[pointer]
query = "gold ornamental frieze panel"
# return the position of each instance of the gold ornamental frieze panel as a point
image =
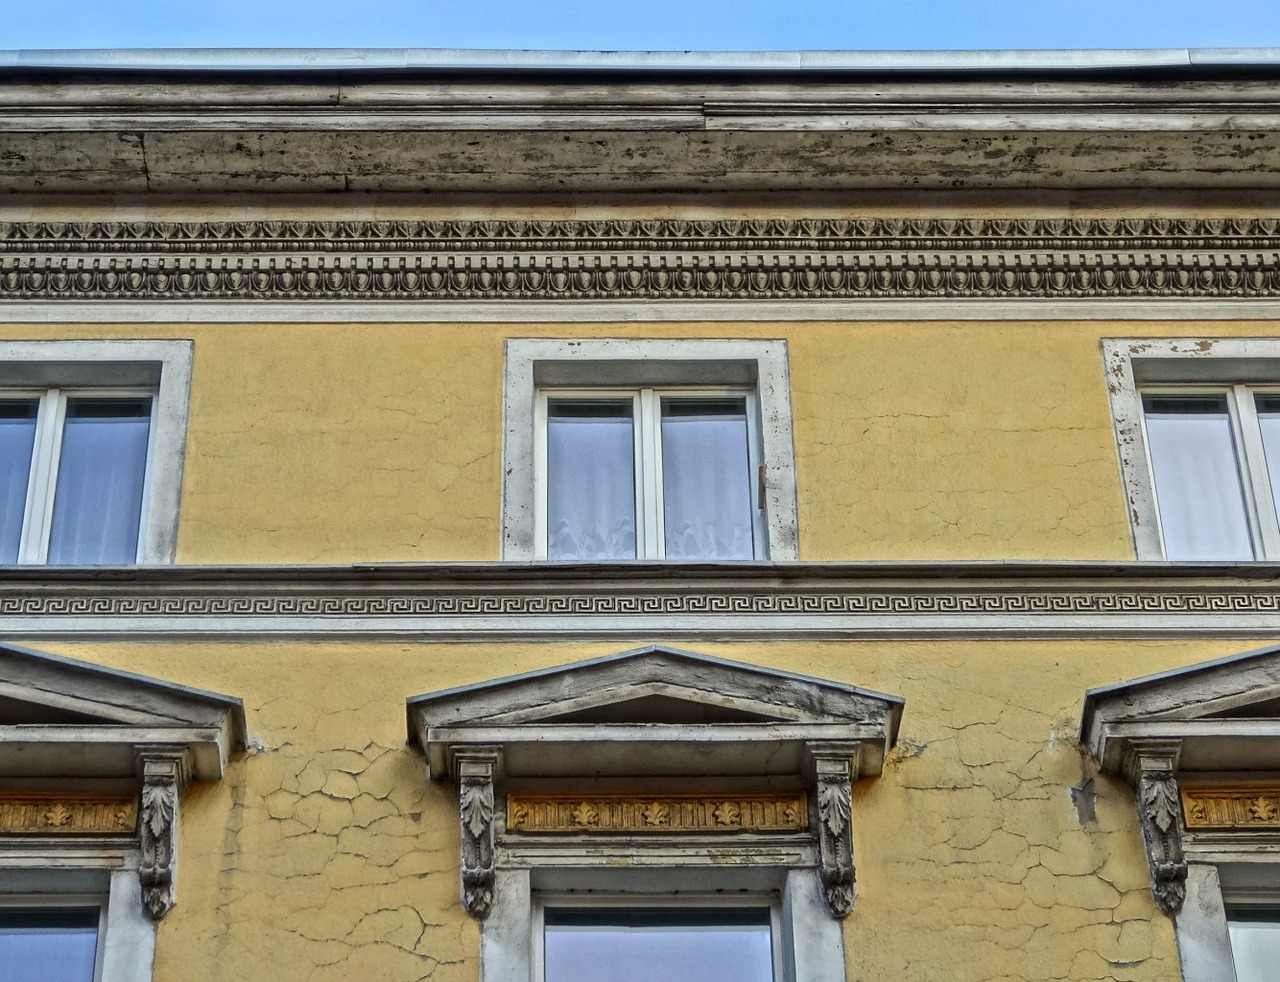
(766, 811)
(43, 813)
(1231, 807)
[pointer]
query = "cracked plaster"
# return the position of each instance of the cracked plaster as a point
(327, 854)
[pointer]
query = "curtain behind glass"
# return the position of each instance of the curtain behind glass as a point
(706, 479)
(1197, 478)
(591, 484)
(48, 944)
(97, 506)
(1269, 421)
(718, 945)
(17, 438)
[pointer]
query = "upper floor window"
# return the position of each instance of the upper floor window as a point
(618, 449)
(1197, 423)
(648, 474)
(49, 943)
(1215, 461)
(92, 435)
(72, 474)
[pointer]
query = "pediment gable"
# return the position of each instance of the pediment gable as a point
(1226, 712)
(655, 700)
(60, 716)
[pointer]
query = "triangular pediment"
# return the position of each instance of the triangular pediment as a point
(60, 716)
(654, 685)
(1225, 712)
(652, 708)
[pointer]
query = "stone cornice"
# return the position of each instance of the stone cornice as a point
(642, 259)
(645, 602)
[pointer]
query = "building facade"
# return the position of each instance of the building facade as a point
(474, 516)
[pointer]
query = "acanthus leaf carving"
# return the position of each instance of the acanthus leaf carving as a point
(833, 774)
(476, 770)
(165, 772)
(1152, 769)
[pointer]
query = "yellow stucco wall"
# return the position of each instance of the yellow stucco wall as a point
(325, 853)
(338, 443)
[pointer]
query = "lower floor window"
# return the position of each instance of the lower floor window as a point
(49, 944)
(639, 944)
(1255, 942)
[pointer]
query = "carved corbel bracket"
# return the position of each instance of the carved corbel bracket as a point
(833, 773)
(477, 767)
(165, 772)
(1151, 767)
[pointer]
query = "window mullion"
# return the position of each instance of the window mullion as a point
(540, 476)
(38, 518)
(649, 474)
(1257, 482)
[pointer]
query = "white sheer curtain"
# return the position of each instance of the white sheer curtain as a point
(1197, 478)
(97, 505)
(17, 438)
(599, 944)
(706, 479)
(48, 944)
(591, 484)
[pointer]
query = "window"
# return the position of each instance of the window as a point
(648, 474)
(40, 942)
(711, 943)
(1255, 942)
(1215, 462)
(621, 449)
(72, 474)
(91, 444)
(656, 809)
(1197, 425)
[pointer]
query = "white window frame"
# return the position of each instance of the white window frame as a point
(159, 369)
(46, 459)
(693, 901)
(534, 365)
(49, 876)
(649, 478)
(1135, 366)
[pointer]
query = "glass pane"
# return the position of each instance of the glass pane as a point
(48, 944)
(1255, 944)
(1197, 478)
(17, 438)
(591, 483)
(641, 945)
(707, 481)
(98, 502)
(1269, 420)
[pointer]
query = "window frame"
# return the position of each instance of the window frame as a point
(68, 901)
(649, 477)
(1134, 366)
(542, 900)
(46, 462)
(758, 366)
(56, 875)
(160, 369)
(1250, 457)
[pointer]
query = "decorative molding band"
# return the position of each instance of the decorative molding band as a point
(643, 259)
(54, 813)
(661, 813)
(614, 601)
(1232, 807)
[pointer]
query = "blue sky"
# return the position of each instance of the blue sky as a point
(641, 24)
